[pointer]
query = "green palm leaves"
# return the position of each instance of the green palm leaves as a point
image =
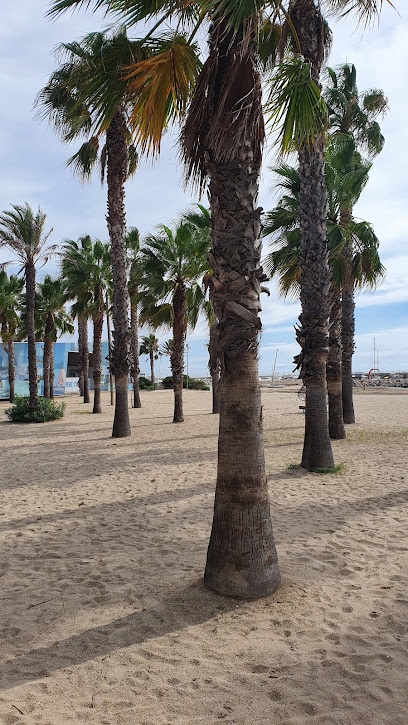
(283, 222)
(23, 232)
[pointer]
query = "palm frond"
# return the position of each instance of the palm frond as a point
(295, 104)
(161, 86)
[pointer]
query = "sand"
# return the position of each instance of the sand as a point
(103, 616)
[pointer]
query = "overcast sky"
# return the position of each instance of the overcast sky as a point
(32, 169)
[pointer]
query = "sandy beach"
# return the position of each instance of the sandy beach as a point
(103, 615)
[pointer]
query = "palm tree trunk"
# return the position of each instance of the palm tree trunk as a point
(112, 392)
(333, 369)
(177, 352)
(313, 334)
(84, 357)
(47, 355)
(116, 175)
(52, 371)
(241, 557)
(97, 360)
(81, 370)
(151, 355)
(134, 345)
(214, 367)
(347, 327)
(11, 368)
(32, 354)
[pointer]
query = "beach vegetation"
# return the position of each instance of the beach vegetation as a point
(339, 468)
(46, 410)
(145, 383)
(188, 383)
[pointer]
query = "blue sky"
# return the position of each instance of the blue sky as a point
(32, 169)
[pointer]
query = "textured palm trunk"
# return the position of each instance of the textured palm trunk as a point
(97, 360)
(47, 354)
(111, 385)
(32, 355)
(177, 352)
(151, 357)
(11, 368)
(134, 346)
(84, 357)
(241, 557)
(214, 367)
(313, 334)
(116, 175)
(347, 325)
(333, 369)
(52, 371)
(81, 371)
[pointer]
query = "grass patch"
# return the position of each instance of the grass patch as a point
(336, 469)
(82, 412)
(293, 466)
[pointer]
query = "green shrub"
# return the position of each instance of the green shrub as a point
(46, 410)
(145, 384)
(192, 384)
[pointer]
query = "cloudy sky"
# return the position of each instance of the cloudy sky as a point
(32, 169)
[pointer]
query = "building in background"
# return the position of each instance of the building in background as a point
(66, 369)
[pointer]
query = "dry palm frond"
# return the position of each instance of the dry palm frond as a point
(160, 86)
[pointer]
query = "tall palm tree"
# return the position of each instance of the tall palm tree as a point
(283, 224)
(89, 67)
(86, 271)
(353, 118)
(52, 320)
(10, 301)
(88, 93)
(133, 247)
(172, 265)
(150, 346)
(222, 140)
(23, 233)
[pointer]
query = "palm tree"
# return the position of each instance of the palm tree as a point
(201, 219)
(86, 271)
(353, 118)
(89, 67)
(10, 293)
(172, 264)
(88, 93)
(132, 244)
(150, 346)
(22, 231)
(283, 260)
(222, 141)
(52, 320)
